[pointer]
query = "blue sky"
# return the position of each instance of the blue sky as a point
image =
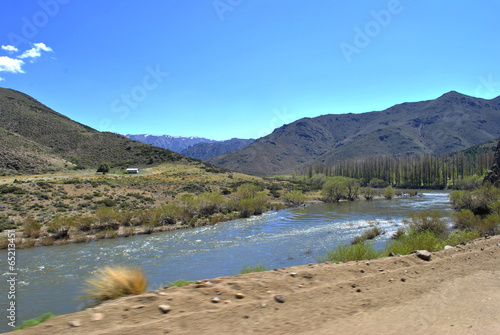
(240, 68)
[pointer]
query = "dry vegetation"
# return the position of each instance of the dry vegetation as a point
(80, 207)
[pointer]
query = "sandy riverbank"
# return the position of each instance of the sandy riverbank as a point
(456, 292)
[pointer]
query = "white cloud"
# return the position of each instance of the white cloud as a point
(35, 52)
(1, 79)
(12, 65)
(9, 48)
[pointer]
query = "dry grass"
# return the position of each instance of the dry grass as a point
(114, 282)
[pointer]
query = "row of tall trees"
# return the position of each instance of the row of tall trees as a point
(416, 171)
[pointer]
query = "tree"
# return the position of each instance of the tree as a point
(104, 168)
(333, 190)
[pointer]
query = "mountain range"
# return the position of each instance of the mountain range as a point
(35, 138)
(194, 147)
(450, 123)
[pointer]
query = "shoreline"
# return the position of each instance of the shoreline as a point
(326, 298)
(124, 231)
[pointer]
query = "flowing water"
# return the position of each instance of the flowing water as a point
(49, 279)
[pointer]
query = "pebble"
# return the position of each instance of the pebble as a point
(75, 323)
(97, 317)
(423, 254)
(138, 306)
(164, 308)
(239, 295)
(403, 279)
(293, 274)
(215, 300)
(446, 247)
(280, 298)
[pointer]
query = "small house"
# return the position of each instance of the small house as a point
(132, 170)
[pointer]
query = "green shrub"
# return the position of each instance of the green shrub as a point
(415, 240)
(31, 228)
(296, 198)
(368, 234)
(334, 190)
(368, 193)
(461, 236)
(389, 192)
(210, 202)
(428, 221)
(353, 252)
(378, 183)
(254, 268)
(465, 219)
(181, 283)
(35, 321)
(59, 226)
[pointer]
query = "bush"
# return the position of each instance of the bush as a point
(35, 321)
(465, 219)
(389, 192)
(461, 236)
(210, 202)
(368, 193)
(295, 198)
(59, 226)
(334, 190)
(254, 268)
(114, 282)
(368, 234)
(353, 252)
(31, 228)
(415, 240)
(106, 218)
(378, 183)
(428, 221)
(181, 283)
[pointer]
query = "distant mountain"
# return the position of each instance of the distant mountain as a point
(205, 151)
(450, 123)
(34, 138)
(174, 143)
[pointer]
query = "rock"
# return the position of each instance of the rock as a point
(75, 323)
(391, 254)
(293, 274)
(97, 317)
(215, 300)
(164, 308)
(280, 298)
(138, 306)
(446, 247)
(239, 295)
(423, 254)
(403, 279)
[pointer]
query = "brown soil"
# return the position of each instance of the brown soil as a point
(456, 292)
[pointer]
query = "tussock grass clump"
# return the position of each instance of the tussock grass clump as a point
(253, 268)
(354, 252)
(34, 322)
(114, 282)
(461, 236)
(368, 234)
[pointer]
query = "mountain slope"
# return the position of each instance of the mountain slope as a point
(174, 143)
(53, 138)
(205, 151)
(449, 123)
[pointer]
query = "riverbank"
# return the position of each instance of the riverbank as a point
(456, 292)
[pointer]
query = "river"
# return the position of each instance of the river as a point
(50, 279)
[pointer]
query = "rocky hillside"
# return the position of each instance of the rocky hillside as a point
(205, 151)
(450, 123)
(35, 138)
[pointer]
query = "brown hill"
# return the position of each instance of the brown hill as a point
(447, 124)
(36, 138)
